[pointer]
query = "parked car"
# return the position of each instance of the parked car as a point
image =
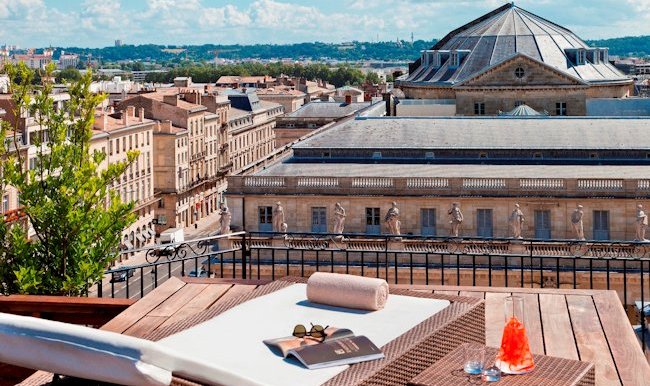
(122, 275)
(201, 273)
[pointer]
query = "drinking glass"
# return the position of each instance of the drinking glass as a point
(474, 358)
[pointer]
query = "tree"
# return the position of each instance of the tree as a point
(372, 77)
(76, 218)
(69, 74)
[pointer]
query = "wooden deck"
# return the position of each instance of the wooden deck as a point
(576, 324)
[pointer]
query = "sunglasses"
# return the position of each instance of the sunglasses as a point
(317, 331)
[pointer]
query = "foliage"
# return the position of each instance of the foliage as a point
(340, 76)
(343, 52)
(69, 74)
(76, 219)
(627, 46)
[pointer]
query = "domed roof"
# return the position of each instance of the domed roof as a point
(507, 32)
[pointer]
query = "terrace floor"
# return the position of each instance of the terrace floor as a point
(588, 325)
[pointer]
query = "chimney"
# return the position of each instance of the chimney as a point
(171, 99)
(130, 110)
(101, 121)
(125, 118)
(141, 114)
(348, 99)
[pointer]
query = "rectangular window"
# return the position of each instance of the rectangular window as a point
(428, 222)
(319, 220)
(455, 62)
(117, 146)
(519, 103)
(265, 218)
(372, 221)
(110, 147)
(479, 108)
(543, 224)
(601, 225)
(560, 108)
(484, 223)
(5, 204)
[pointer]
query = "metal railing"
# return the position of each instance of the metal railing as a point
(623, 266)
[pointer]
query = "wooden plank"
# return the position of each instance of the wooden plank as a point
(177, 300)
(558, 332)
(533, 323)
(446, 292)
(494, 317)
(217, 280)
(142, 307)
(590, 339)
(145, 325)
(554, 291)
(472, 294)
(235, 291)
(632, 365)
(201, 302)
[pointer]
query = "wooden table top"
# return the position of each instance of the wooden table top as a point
(588, 325)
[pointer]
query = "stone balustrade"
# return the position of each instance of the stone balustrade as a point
(600, 184)
(541, 184)
(393, 186)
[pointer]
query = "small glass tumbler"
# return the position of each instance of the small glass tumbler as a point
(474, 358)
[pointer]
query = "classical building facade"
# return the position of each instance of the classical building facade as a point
(251, 124)
(510, 57)
(193, 126)
(115, 134)
(547, 165)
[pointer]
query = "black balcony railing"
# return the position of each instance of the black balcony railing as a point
(617, 265)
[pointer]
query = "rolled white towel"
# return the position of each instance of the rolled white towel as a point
(348, 291)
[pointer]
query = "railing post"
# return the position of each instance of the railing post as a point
(244, 255)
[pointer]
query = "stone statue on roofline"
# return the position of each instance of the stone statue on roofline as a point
(641, 223)
(517, 222)
(339, 219)
(455, 219)
(224, 220)
(576, 222)
(392, 220)
(278, 218)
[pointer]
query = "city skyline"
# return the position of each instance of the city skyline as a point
(94, 23)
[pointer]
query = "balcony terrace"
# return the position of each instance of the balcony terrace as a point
(579, 295)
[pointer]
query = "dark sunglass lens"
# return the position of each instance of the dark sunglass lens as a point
(299, 331)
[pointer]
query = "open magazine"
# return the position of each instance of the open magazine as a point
(340, 347)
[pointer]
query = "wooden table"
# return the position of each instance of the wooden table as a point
(575, 324)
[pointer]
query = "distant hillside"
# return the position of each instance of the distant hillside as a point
(353, 51)
(627, 46)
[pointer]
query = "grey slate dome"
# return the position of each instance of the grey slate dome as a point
(507, 32)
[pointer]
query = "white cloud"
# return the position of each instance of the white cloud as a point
(98, 22)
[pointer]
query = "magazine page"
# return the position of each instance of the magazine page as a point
(288, 343)
(337, 352)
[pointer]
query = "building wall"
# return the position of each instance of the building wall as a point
(298, 209)
(618, 107)
(290, 103)
(252, 136)
(505, 100)
(137, 183)
(428, 108)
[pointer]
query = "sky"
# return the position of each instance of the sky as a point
(98, 23)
